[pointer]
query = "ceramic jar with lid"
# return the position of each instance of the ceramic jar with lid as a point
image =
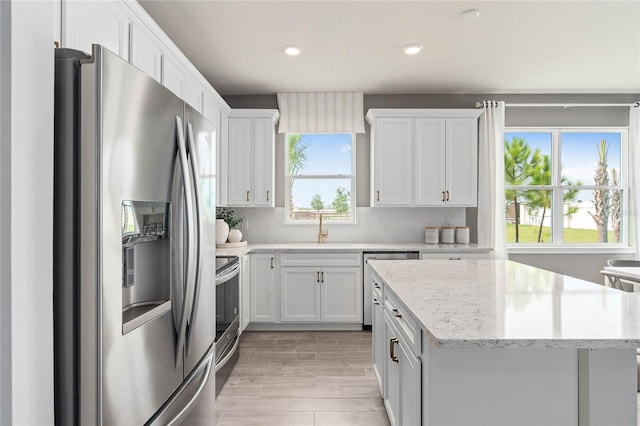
(431, 235)
(447, 234)
(462, 235)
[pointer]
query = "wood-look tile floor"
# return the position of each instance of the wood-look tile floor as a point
(296, 378)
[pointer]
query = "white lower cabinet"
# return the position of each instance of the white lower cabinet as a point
(327, 294)
(264, 288)
(402, 378)
(397, 361)
(245, 292)
(378, 345)
(321, 288)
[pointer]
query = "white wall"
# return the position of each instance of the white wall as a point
(26, 212)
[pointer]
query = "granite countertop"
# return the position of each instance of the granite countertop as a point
(351, 247)
(502, 304)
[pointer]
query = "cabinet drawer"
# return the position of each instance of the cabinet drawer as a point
(454, 256)
(333, 259)
(406, 324)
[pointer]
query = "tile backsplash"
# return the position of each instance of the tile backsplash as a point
(374, 225)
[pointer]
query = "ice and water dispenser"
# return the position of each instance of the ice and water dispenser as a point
(146, 262)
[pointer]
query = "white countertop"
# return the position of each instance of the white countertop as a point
(500, 303)
(352, 247)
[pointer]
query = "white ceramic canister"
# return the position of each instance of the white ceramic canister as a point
(222, 231)
(447, 234)
(235, 236)
(431, 235)
(462, 235)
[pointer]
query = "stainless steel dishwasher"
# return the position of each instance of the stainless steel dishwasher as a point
(366, 276)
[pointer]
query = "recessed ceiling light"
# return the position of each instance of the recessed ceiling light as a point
(469, 15)
(292, 50)
(412, 49)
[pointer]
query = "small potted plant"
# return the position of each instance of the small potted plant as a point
(225, 224)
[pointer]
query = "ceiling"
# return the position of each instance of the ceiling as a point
(514, 46)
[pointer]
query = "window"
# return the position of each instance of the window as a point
(319, 177)
(566, 186)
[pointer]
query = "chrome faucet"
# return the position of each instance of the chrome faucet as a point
(322, 235)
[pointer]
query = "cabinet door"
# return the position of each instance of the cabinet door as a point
(222, 194)
(379, 346)
(391, 374)
(462, 161)
(410, 384)
(430, 138)
(193, 93)
(145, 54)
(300, 294)
(245, 292)
(240, 161)
(173, 76)
(95, 22)
(341, 294)
(264, 146)
(392, 166)
(264, 288)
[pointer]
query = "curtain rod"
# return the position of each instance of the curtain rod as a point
(565, 105)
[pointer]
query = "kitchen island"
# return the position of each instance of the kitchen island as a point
(498, 342)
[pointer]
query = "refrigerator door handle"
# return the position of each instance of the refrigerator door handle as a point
(188, 294)
(198, 229)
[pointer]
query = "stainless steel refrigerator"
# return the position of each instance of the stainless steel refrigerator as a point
(134, 248)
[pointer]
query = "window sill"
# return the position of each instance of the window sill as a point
(570, 250)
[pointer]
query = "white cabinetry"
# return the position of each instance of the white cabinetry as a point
(95, 22)
(397, 360)
(392, 154)
(251, 155)
(377, 322)
(146, 53)
(127, 30)
(245, 292)
(321, 288)
(446, 161)
(264, 288)
(424, 157)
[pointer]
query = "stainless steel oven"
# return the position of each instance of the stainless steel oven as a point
(227, 317)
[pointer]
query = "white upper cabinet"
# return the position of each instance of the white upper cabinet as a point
(126, 29)
(95, 22)
(251, 154)
(424, 157)
(145, 53)
(391, 155)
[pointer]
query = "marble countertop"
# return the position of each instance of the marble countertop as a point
(501, 304)
(351, 247)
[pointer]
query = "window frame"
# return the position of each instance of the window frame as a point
(288, 178)
(557, 191)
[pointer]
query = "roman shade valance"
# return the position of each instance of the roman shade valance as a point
(321, 112)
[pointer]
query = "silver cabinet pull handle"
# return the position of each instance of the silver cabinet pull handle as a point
(397, 313)
(322, 276)
(317, 276)
(267, 195)
(392, 351)
(443, 196)
(447, 195)
(247, 195)
(375, 301)
(272, 263)
(376, 285)
(378, 198)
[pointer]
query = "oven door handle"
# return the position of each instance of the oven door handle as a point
(228, 356)
(228, 275)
